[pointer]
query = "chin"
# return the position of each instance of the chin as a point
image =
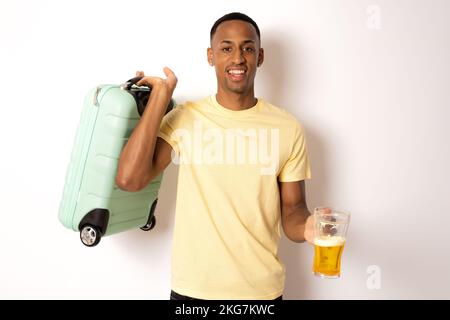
(238, 89)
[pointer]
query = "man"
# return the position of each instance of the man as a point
(243, 163)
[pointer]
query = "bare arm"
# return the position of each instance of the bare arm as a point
(297, 221)
(145, 156)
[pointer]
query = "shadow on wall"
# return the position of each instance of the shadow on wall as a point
(271, 74)
(273, 78)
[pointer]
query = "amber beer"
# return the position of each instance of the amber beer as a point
(327, 256)
(330, 232)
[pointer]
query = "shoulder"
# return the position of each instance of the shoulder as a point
(183, 113)
(188, 106)
(179, 110)
(282, 116)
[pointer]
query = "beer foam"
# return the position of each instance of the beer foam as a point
(329, 241)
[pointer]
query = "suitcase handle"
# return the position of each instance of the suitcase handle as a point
(141, 94)
(131, 85)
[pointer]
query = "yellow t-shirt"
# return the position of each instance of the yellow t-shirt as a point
(228, 218)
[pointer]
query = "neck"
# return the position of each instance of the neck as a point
(236, 101)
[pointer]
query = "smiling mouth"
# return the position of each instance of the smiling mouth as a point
(236, 74)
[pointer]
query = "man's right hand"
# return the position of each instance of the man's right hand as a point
(165, 86)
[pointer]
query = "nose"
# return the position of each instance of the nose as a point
(238, 57)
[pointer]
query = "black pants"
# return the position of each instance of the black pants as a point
(177, 296)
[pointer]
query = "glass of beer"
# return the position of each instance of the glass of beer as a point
(330, 230)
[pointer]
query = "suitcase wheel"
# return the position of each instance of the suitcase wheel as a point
(151, 217)
(150, 225)
(90, 235)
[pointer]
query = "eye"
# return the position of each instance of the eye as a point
(226, 49)
(249, 49)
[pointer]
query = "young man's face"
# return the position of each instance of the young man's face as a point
(235, 52)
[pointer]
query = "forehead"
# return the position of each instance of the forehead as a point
(235, 30)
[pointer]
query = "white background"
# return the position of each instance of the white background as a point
(370, 85)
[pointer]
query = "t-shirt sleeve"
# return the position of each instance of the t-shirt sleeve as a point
(297, 166)
(169, 124)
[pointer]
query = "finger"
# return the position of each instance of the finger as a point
(152, 81)
(139, 73)
(168, 72)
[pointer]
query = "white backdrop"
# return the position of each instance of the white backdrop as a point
(368, 80)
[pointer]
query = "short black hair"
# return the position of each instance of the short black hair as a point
(234, 16)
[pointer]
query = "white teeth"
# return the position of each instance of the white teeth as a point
(236, 71)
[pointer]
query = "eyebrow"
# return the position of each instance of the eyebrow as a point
(231, 42)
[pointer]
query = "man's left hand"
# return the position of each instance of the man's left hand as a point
(309, 229)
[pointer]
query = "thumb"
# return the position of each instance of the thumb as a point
(325, 210)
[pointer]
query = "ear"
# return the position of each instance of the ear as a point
(209, 55)
(260, 57)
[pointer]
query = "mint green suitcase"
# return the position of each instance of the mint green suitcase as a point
(92, 203)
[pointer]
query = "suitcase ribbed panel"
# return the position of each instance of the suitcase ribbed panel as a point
(77, 160)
